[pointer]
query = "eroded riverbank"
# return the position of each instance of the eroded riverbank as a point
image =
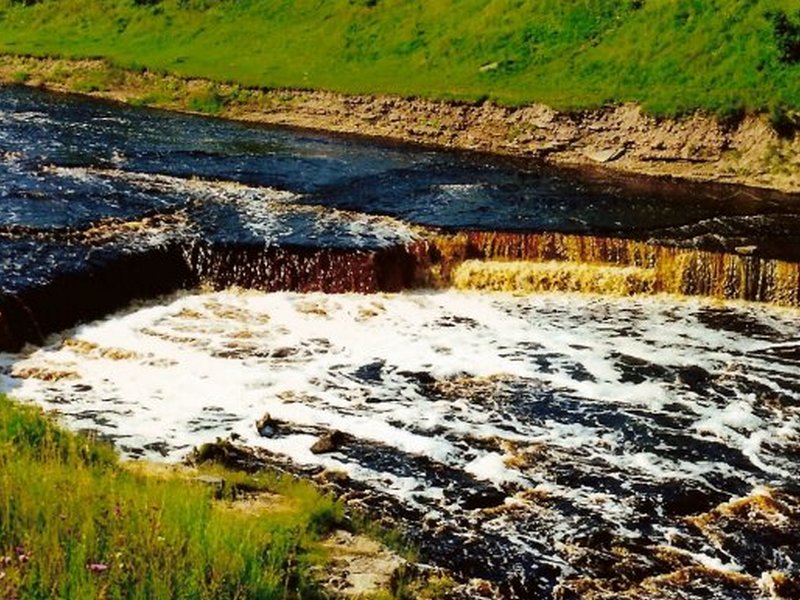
(747, 150)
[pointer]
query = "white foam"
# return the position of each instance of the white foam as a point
(491, 467)
(265, 212)
(206, 365)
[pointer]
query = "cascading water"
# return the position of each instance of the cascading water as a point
(598, 446)
(560, 262)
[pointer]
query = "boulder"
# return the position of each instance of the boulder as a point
(328, 442)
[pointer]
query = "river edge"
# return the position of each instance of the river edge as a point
(335, 551)
(746, 151)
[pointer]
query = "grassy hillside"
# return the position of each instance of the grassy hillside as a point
(670, 55)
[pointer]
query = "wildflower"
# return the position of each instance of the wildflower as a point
(97, 567)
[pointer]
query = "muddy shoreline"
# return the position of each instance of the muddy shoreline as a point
(617, 139)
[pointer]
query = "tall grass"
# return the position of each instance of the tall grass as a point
(74, 523)
(670, 55)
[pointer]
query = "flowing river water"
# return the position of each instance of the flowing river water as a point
(566, 384)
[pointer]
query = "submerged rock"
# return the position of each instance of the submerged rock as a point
(485, 497)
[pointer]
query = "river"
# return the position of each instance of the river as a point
(551, 379)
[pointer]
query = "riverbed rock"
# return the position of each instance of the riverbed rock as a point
(696, 378)
(780, 585)
(267, 426)
(328, 442)
(332, 477)
(214, 482)
(359, 566)
(225, 453)
(484, 497)
(604, 155)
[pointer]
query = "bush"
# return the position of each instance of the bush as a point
(787, 35)
(783, 121)
(207, 101)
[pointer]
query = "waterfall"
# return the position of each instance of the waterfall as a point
(562, 262)
(515, 262)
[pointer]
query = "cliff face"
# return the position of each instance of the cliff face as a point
(747, 151)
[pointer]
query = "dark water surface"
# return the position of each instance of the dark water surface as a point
(445, 189)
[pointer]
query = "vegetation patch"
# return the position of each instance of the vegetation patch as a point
(670, 56)
(20, 76)
(207, 100)
(77, 523)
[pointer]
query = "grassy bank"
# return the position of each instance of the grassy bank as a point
(672, 56)
(75, 523)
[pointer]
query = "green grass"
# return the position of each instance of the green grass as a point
(75, 523)
(672, 56)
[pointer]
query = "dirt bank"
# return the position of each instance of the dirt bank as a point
(699, 147)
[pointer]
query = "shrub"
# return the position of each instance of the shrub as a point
(787, 35)
(206, 101)
(783, 121)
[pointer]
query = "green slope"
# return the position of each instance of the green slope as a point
(670, 55)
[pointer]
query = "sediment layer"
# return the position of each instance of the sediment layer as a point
(698, 147)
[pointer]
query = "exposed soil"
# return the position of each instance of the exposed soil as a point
(698, 147)
(359, 566)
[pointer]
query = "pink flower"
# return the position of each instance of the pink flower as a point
(97, 567)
